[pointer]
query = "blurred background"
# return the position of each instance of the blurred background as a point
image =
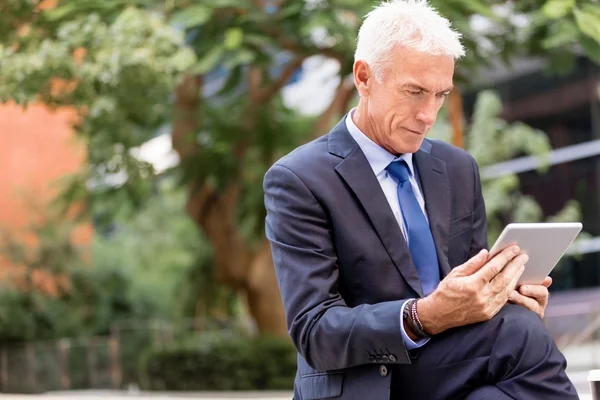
(134, 136)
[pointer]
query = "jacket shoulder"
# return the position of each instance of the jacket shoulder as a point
(309, 157)
(451, 154)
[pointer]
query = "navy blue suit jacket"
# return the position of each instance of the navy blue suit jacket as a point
(343, 266)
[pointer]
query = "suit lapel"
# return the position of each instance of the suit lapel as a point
(357, 173)
(436, 191)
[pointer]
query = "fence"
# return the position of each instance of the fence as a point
(107, 362)
(112, 362)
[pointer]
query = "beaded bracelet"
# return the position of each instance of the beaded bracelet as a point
(416, 322)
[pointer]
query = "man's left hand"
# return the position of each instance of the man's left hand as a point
(533, 297)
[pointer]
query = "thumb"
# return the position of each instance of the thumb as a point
(472, 265)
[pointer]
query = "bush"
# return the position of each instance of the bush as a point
(221, 363)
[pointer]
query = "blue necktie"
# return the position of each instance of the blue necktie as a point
(420, 240)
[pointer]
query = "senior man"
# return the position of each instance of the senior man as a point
(379, 241)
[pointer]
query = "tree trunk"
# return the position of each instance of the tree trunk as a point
(248, 271)
(264, 299)
(456, 118)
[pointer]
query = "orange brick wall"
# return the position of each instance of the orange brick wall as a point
(37, 146)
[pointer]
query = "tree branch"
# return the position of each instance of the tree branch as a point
(266, 94)
(339, 105)
(299, 50)
(186, 120)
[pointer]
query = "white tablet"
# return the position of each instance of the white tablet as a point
(544, 243)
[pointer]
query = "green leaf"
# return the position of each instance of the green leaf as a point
(591, 9)
(561, 62)
(588, 22)
(292, 10)
(192, 16)
(60, 12)
(234, 38)
(480, 7)
(555, 9)
(564, 33)
(257, 40)
(209, 60)
(233, 81)
(241, 57)
(591, 47)
(228, 3)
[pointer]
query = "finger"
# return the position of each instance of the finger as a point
(526, 302)
(547, 282)
(509, 275)
(537, 292)
(472, 265)
(513, 283)
(496, 264)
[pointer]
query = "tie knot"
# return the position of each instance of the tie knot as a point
(399, 170)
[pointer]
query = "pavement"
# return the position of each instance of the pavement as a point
(117, 395)
(579, 379)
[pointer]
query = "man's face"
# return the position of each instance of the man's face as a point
(403, 108)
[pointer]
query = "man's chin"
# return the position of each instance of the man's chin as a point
(411, 146)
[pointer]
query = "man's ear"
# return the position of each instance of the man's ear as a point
(362, 77)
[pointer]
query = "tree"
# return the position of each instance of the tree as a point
(117, 62)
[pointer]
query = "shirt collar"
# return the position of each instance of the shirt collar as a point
(378, 157)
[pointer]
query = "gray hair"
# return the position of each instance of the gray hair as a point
(411, 23)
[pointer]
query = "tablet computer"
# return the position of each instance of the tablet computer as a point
(544, 243)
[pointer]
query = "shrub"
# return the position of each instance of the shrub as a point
(221, 363)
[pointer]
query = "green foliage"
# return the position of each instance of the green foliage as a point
(70, 297)
(160, 246)
(157, 243)
(119, 85)
(559, 29)
(555, 9)
(95, 299)
(222, 363)
(137, 50)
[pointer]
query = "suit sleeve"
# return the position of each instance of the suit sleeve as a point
(479, 240)
(326, 332)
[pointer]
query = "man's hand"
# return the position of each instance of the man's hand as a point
(472, 292)
(533, 297)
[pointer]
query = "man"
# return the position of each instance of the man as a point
(379, 241)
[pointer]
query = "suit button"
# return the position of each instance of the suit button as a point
(392, 358)
(383, 371)
(386, 359)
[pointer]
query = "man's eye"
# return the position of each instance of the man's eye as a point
(415, 93)
(443, 95)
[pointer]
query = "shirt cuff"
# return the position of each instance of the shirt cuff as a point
(410, 344)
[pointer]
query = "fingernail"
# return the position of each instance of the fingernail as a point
(511, 296)
(516, 250)
(525, 289)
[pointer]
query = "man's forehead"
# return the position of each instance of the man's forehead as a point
(441, 86)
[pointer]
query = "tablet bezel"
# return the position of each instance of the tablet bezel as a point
(541, 263)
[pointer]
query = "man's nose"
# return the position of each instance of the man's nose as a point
(428, 112)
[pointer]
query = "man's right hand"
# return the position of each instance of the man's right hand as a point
(472, 292)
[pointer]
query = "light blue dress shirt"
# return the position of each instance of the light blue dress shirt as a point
(379, 159)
